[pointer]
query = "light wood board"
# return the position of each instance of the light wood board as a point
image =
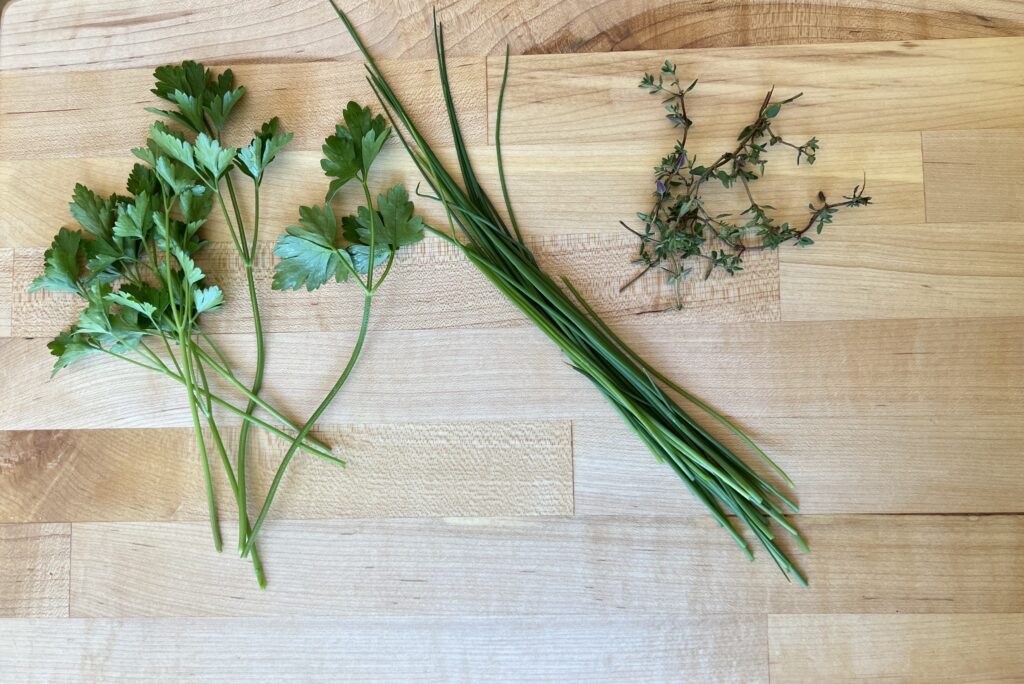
(496, 521)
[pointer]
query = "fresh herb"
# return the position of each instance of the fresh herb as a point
(716, 476)
(203, 104)
(679, 230)
(133, 262)
(319, 249)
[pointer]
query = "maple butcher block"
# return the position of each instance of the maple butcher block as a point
(497, 521)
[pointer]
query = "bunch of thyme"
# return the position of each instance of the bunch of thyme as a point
(679, 230)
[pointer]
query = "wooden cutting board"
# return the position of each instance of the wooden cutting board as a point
(882, 368)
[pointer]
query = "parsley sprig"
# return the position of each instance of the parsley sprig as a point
(133, 263)
(321, 247)
(679, 230)
(203, 103)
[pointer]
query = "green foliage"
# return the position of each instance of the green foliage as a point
(133, 263)
(62, 268)
(94, 214)
(211, 157)
(734, 493)
(352, 149)
(207, 299)
(313, 252)
(309, 255)
(398, 225)
(198, 95)
(69, 347)
(266, 143)
(679, 231)
(135, 219)
(125, 243)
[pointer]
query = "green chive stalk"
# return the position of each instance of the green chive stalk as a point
(717, 476)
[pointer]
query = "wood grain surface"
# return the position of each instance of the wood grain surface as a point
(496, 522)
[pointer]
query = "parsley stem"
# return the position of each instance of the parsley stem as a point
(226, 374)
(387, 269)
(168, 280)
(311, 445)
(187, 345)
(364, 325)
(245, 252)
(231, 228)
(257, 565)
(257, 382)
(167, 345)
(371, 263)
(203, 459)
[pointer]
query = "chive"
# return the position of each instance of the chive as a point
(715, 475)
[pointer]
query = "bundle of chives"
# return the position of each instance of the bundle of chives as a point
(715, 475)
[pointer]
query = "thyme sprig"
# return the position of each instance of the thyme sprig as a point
(679, 230)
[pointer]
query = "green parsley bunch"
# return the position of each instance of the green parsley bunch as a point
(203, 104)
(133, 264)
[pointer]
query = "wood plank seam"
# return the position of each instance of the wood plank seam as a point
(71, 560)
(924, 184)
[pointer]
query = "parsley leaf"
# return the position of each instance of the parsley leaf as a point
(63, 264)
(308, 253)
(208, 299)
(94, 214)
(189, 270)
(197, 94)
(395, 223)
(354, 146)
(101, 259)
(173, 145)
(221, 98)
(266, 143)
(190, 77)
(339, 160)
(126, 298)
(211, 156)
(69, 347)
(196, 205)
(362, 126)
(400, 226)
(178, 178)
(135, 219)
(361, 256)
(143, 179)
